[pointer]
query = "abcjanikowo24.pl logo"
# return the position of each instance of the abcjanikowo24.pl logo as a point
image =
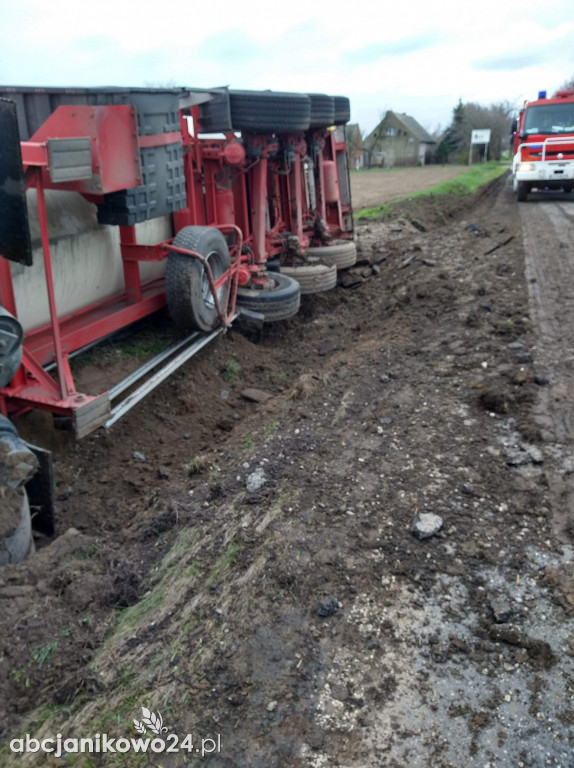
(151, 738)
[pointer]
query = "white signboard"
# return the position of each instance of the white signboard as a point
(481, 136)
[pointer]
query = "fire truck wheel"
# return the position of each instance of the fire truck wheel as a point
(322, 110)
(189, 298)
(343, 253)
(17, 546)
(313, 277)
(522, 191)
(342, 110)
(269, 112)
(280, 302)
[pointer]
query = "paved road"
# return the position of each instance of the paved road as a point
(548, 223)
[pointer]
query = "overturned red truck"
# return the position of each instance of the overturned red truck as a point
(544, 145)
(116, 203)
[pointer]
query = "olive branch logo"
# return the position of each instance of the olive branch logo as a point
(151, 720)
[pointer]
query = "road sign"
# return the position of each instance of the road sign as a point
(481, 136)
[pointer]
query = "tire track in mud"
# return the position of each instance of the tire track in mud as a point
(549, 264)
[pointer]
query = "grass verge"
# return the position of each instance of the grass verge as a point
(464, 184)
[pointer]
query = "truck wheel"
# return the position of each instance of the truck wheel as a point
(17, 546)
(269, 112)
(522, 190)
(322, 110)
(280, 302)
(189, 298)
(342, 110)
(313, 277)
(343, 253)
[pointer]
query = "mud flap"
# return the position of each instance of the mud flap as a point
(40, 490)
(15, 243)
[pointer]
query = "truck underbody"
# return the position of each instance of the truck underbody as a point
(119, 203)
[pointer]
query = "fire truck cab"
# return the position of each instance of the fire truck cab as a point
(544, 145)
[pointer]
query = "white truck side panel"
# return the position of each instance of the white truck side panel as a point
(86, 259)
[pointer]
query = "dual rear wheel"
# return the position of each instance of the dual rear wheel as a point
(190, 298)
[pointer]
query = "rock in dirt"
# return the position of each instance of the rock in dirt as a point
(501, 609)
(350, 280)
(256, 480)
(137, 456)
(541, 379)
(407, 262)
(327, 607)
(256, 395)
(426, 524)
(534, 452)
(326, 347)
(17, 462)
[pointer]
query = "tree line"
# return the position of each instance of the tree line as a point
(454, 143)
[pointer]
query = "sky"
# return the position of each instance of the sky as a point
(415, 57)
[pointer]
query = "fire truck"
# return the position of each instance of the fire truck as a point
(544, 145)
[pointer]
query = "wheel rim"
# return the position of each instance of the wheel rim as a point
(215, 266)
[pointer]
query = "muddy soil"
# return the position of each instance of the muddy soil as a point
(372, 188)
(249, 569)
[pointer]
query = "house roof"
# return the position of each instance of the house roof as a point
(409, 123)
(416, 128)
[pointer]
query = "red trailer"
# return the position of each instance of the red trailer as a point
(204, 202)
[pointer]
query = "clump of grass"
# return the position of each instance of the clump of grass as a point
(306, 384)
(231, 371)
(196, 465)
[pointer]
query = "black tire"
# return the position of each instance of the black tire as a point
(278, 303)
(11, 335)
(17, 546)
(7, 426)
(269, 111)
(313, 277)
(342, 110)
(9, 365)
(322, 110)
(522, 190)
(189, 298)
(343, 253)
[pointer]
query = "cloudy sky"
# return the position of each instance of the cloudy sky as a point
(416, 57)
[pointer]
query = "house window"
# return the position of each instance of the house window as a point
(390, 131)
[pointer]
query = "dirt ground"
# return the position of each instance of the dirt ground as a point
(249, 570)
(372, 188)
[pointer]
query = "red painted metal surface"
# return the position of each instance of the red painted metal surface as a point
(114, 142)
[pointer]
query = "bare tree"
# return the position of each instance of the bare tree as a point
(568, 85)
(468, 117)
